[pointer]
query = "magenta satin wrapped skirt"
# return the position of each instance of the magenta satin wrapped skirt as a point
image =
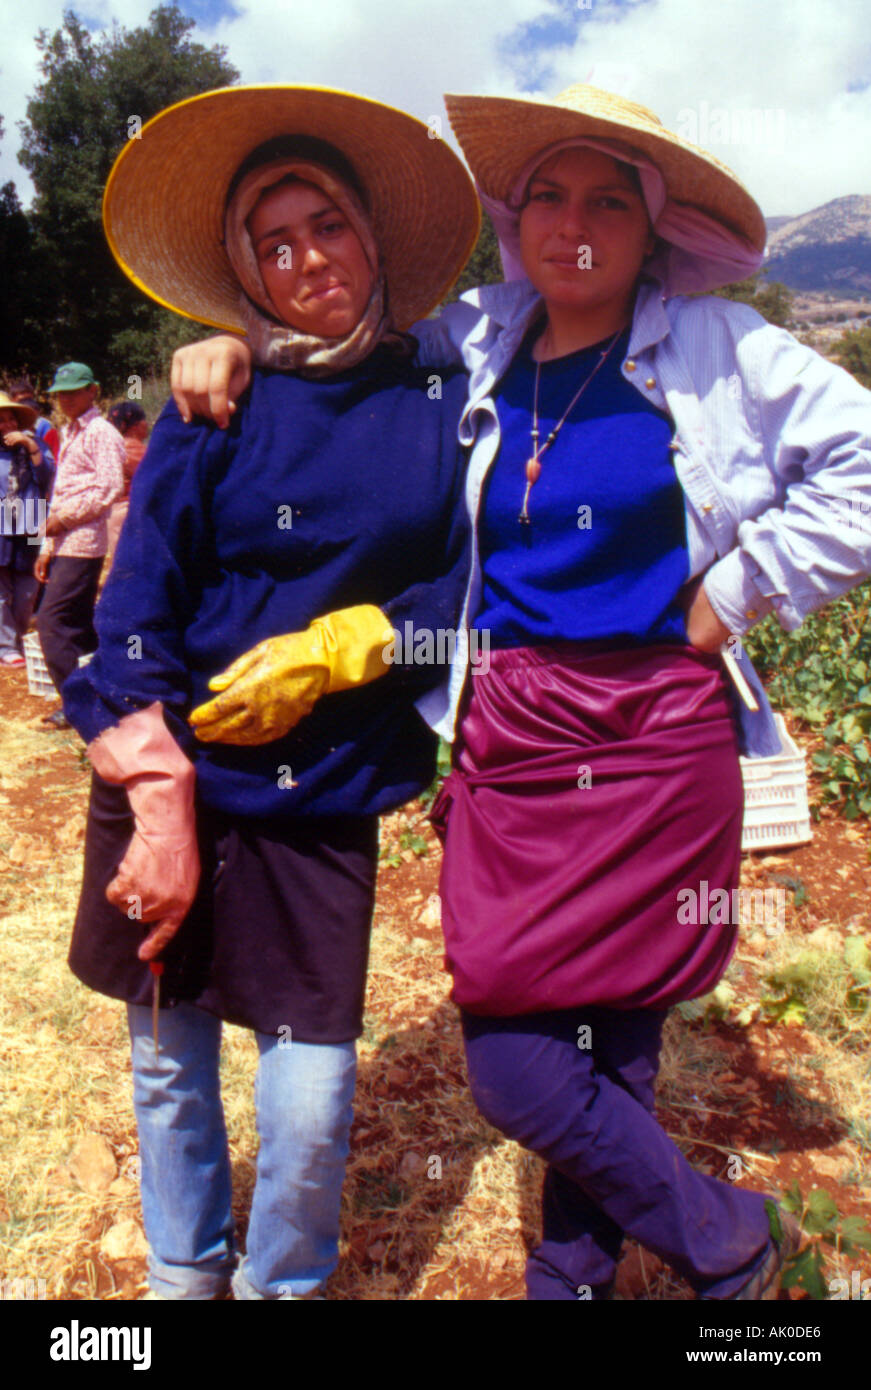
(590, 787)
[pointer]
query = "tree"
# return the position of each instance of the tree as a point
(23, 301)
(853, 351)
(771, 299)
(484, 266)
(78, 120)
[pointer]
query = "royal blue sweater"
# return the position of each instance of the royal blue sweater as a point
(605, 552)
(321, 495)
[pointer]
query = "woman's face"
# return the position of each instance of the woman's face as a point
(581, 199)
(8, 421)
(311, 260)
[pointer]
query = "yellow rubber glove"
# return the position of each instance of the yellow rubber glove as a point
(270, 689)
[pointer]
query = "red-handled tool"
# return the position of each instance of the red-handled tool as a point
(156, 968)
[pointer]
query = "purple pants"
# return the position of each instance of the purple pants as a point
(588, 1111)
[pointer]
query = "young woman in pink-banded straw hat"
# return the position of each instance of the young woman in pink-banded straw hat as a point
(653, 470)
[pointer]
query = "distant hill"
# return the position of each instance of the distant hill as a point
(826, 249)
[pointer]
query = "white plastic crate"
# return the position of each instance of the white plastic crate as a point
(775, 797)
(39, 682)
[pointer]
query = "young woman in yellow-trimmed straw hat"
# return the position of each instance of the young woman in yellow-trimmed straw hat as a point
(306, 217)
(651, 474)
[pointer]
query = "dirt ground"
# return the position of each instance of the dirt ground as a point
(772, 1094)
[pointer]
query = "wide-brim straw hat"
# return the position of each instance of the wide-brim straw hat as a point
(500, 135)
(163, 208)
(24, 414)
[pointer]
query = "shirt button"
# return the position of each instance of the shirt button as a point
(650, 383)
(707, 507)
(751, 613)
(629, 365)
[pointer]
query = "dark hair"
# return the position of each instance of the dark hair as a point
(306, 147)
(125, 414)
(632, 173)
(22, 386)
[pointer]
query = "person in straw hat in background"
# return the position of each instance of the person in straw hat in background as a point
(323, 224)
(652, 474)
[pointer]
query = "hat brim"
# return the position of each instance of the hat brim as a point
(500, 135)
(24, 414)
(163, 207)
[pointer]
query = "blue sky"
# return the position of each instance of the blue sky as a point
(804, 66)
(209, 12)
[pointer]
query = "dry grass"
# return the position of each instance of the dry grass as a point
(814, 970)
(436, 1204)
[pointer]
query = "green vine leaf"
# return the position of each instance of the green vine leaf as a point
(806, 1271)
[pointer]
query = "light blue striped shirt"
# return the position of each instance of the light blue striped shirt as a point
(773, 451)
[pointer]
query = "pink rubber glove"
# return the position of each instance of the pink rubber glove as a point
(162, 864)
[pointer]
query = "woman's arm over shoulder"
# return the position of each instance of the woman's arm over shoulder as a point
(464, 332)
(813, 421)
(209, 376)
(163, 558)
(441, 338)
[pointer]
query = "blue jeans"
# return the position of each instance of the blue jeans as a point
(303, 1095)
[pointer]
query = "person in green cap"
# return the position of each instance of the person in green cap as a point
(90, 478)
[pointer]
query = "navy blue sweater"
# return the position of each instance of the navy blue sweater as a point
(321, 495)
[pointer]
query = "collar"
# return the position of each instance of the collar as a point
(515, 300)
(91, 413)
(650, 321)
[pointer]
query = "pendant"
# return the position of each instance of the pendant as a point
(533, 473)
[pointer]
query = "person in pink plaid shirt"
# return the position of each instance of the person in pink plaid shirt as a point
(90, 477)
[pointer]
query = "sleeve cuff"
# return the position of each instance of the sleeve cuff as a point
(734, 593)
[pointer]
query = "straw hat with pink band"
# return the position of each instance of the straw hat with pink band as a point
(709, 230)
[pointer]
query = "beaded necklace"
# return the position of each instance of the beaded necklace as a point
(533, 464)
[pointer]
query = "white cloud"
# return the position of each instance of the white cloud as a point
(794, 60)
